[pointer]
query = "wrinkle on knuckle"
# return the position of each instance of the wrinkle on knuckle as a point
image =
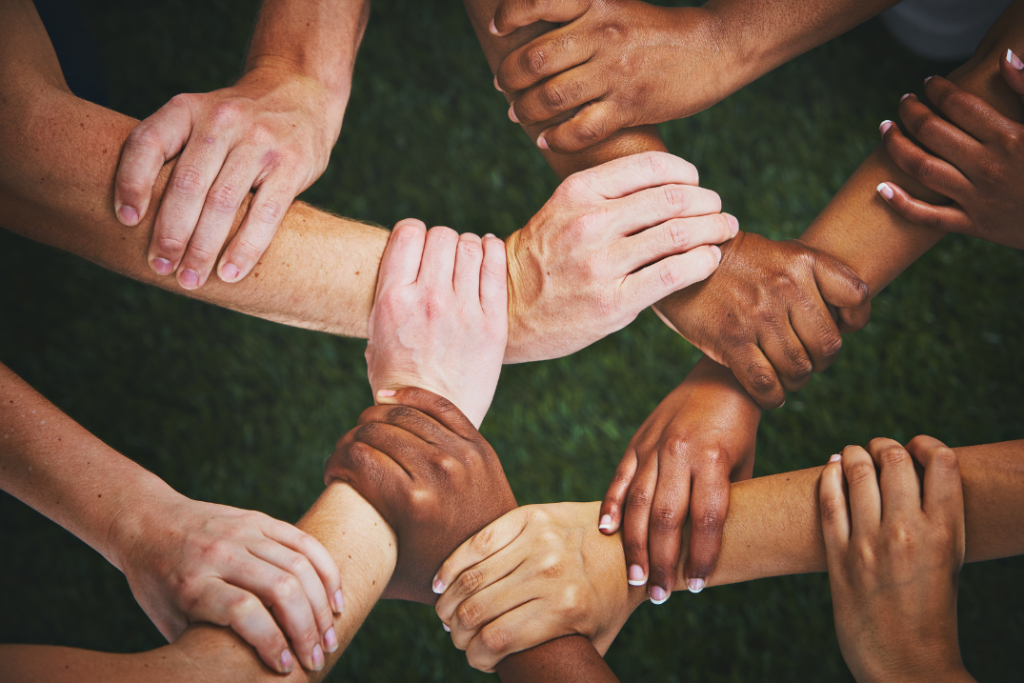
(831, 345)
(494, 639)
(269, 211)
(167, 244)
(860, 473)
(225, 114)
(469, 615)
(589, 131)
(893, 455)
(665, 519)
(675, 198)
(470, 581)
(534, 62)
(832, 508)
(187, 180)
(638, 499)
(223, 199)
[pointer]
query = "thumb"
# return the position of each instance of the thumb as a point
(429, 403)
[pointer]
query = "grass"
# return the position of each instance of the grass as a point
(244, 412)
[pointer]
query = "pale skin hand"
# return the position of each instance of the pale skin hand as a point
(186, 561)
(272, 131)
(895, 545)
(440, 319)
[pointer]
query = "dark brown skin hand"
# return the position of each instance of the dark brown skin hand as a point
(681, 461)
(894, 545)
(430, 474)
(972, 154)
(767, 313)
(625, 62)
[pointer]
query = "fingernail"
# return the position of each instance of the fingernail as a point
(386, 393)
(130, 216)
(330, 640)
(885, 190)
(542, 143)
(835, 458)
(437, 586)
(717, 252)
(635, 576)
(287, 662)
(162, 266)
(733, 223)
(318, 657)
(928, 79)
(695, 585)
(885, 126)
(496, 86)
(905, 96)
(229, 272)
(188, 278)
(492, 28)
(339, 602)
(512, 113)
(490, 234)
(606, 523)
(1014, 60)
(658, 595)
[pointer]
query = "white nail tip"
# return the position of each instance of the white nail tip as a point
(636, 582)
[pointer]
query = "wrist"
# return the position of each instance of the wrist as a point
(717, 36)
(145, 503)
(519, 329)
(329, 93)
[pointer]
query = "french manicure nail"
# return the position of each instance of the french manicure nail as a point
(492, 28)
(835, 458)
(1014, 60)
(496, 86)
(229, 272)
(339, 602)
(437, 586)
(386, 393)
(695, 585)
(658, 595)
(446, 628)
(885, 126)
(905, 96)
(287, 661)
(162, 266)
(330, 640)
(129, 216)
(188, 278)
(606, 523)
(885, 191)
(512, 113)
(542, 143)
(928, 79)
(318, 657)
(636, 576)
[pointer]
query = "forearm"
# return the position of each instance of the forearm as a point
(356, 536)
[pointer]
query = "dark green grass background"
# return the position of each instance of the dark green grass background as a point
(244, 412)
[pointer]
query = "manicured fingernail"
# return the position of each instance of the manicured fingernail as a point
(606, 523)
(446, 628)
(658, 595)
(162, 266)
(492, 28)
(885, 126)
(330, 640)
(885, 191)
(128, 215)
(339, 602)
(695, 585)
(318, 657)
(717, 252)
(287, 662)
(542, 143)
(437, 586)
(490, 234)
(928, 79)
(733, 223)
(496, 86)
(1014, 60)
(386, 393)
(835, 458)
(635, 576)
(512, 113)
(188, 278)
(905, 96)
(229, 272)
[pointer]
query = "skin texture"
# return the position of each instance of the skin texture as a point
(894, 542)
(972, 155)
(774, 528)
(186, 561)
(613, 64)
(272, 131)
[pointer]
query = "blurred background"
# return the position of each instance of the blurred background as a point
(244, 412)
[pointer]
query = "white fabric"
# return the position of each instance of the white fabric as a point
(946, 30)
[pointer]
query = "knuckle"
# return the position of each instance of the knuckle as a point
(246, 250)
(284, 587)
(893, 455)
(709, 520)
(469, 615)
(534, 62)
(225, 113)
(657, 163)
(944, 458)
(860, 473)
(145, 136)
(223, 199)
(831, 345)
(589, 131)
(670, 276)
(675, 197)
(187, 180)
(269, 211)
(170, 245)
(678, 234)
(638, 499)
(570, 601)
(665, 519)
(494, 639)
(832, 507)
(470, 581)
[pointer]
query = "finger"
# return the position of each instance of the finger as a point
(226, 605)
(668, 512)
(786, 352)
(483, 544)
(486, 590)
(615, 498)
(408, 419)
(897, 480)
(469, 254)
(853, 319)
(865, 499)
(438, 266)
(937, 135)
(708, 510)
(551, 53)
(656, 205)
(529, 624)
(757, 375)
(817, 331)
(838, 284)
(649, 285)
(402, 256)
(626, 175)
(636, 521)
(370, 472)
(152, 143)
(219, 211)
(437, 407)
(557, 95)
(593, 123)
(513, 14)
(266, 211)
(182, 203)
(312, 550)
(494, 279)
(945, 218)
(835, 516)
(1012, 69)
(972, 115)
(675, 236)
(932, 172)
(943, 487)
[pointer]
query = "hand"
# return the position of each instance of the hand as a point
(440, 316)
(681, 461)
(610, 242)
(766, 313)
(538, 573)
(621, 63)
(894, 554)
(429, 474)
(975, 156)
(273, 131)
(188, 561)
